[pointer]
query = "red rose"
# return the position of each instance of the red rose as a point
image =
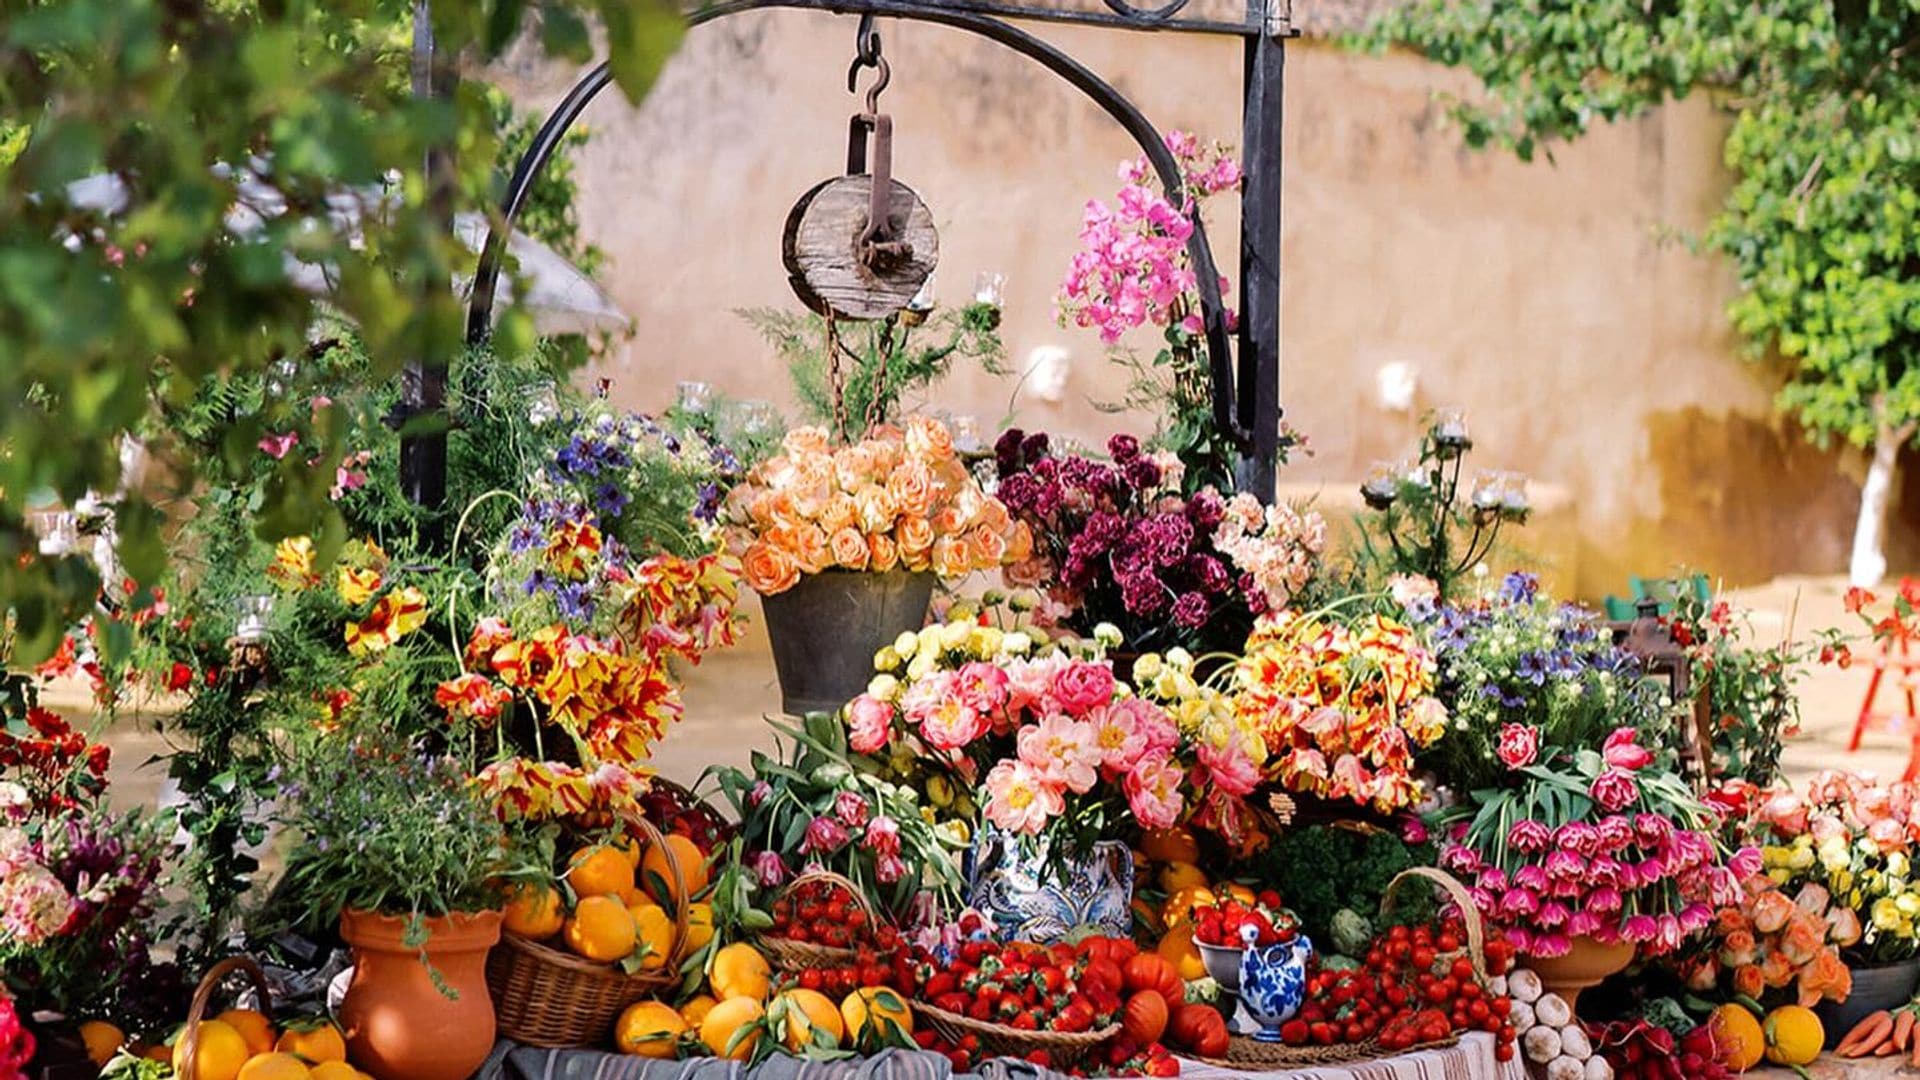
(1519, 745)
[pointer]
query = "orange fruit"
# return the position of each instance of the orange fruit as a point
(253, 1027)
(335, 1070)
(731, 1029)
(629, 845)
(599, 871)
(275, 1066)
(1738, 1032)
(740, 971)
(656, 877)
(653, 931)
(1176, 876)
(601, 929)
(316, 1042)
(876, 1016)
(103, 1040)
(1170, 845)
(533, 911)
(649, 1029)
(1794, 1035)
(699, 927)
(1180, 906)
(696, 1009)
(218, 1055)
(799, 1013)
(1178, 949)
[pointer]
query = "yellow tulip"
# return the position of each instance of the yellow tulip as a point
(886, 659)
(906, 643)
(1146, 668)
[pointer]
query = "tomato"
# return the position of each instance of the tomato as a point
(1145, 1018)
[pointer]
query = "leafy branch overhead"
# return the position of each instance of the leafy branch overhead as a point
(109, 316)
(1822, 222)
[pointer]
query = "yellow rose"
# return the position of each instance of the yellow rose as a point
(1908, 903)
(1886, 914)
(954, 635)
(883, 687)
(907, 643)
(1801, 858)
(1780, 877)
(1773, 855)
(886, 659)
(1897, 864)
(769, 569)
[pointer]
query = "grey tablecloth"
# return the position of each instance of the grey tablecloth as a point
(514, 1062)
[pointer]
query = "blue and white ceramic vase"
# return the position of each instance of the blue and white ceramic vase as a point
(1029, 899)
(1273, 981)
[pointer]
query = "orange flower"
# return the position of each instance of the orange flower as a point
(1748, 980)
(806, 440)
(886, 555)
(915, 537)
(393, 617)
(769, 569)
(951, 559)
(569, 548)
(1776, 969)
(911, 488)
(1826, 977)
(986, 547)
(1771, 910)
(1805, 936)
(1737, 947)
(850, 549)
(1729, 919)
(929, 438)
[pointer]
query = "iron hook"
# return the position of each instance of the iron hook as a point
(867, 54)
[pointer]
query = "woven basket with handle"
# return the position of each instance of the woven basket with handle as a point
(203, 996)
(792, 956)
(551, 998)
(1250, 1055)
(1065, 1048)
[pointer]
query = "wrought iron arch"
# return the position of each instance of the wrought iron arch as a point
(1248, 407)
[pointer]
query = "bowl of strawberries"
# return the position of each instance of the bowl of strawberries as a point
(1217, 931)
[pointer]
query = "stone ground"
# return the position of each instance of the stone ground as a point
(729, 694)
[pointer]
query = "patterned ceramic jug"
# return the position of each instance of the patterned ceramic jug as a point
(1027, 901)
(1273, 981)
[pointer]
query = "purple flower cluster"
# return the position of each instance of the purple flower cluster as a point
(1115, 541)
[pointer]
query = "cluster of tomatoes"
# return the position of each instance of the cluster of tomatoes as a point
(895, 971)
(1222, 924)
(825, 913)
(1416, 986)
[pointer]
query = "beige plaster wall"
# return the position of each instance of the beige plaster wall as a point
(1589, 351)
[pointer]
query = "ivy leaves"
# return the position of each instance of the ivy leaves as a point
(1822, 223)
(233, 133)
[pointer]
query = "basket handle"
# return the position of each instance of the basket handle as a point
(647, 829)
(196, 1012)
(818, 874)
(1469, 914)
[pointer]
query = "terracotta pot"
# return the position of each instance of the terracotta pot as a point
(400, 1025)
(1586, 965)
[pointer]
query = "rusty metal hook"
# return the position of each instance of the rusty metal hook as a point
(867, 54)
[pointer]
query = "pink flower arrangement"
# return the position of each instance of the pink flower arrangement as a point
(1054, 740)
(1621, 854)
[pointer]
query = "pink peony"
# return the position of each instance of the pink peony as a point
(1518, 745)
(952, 726)
(1233, 772)
(1154, 791)
(868, 720)
(1062, 751)
(1117, 734)
(1621, 752)
(982, 687)
(1528, 835)
(1020, 800)
(883, 836)
(1029, 680)
(1614, 790)
(852, 809)
(1081, 687)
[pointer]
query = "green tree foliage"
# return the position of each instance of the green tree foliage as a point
(107, 320)
(1822, 222)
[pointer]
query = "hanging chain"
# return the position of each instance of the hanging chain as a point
(876, 403)
(836, 379)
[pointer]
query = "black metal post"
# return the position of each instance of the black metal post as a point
(423, 384)
(1259, 361)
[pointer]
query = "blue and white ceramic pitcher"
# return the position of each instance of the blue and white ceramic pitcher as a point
(1273, 981)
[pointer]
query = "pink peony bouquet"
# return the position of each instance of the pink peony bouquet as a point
(1609, 849)
(1057, 745)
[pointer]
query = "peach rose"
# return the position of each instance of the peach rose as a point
(951, 559)
(986, 547)
(1776, 969)
(1020, 547)
(993, 515)
(911, 487)
(839, 513)
(885, 455)
(915, 536)
(1748, 980)
(929, 438)
(949, 521)
(886, 555)
(1805, 936)
(806, 440)
(768, 569)
(1026, 573)
(850, 549)
(812, 549)
(855, 467)
(1737, 948)
(872, 509)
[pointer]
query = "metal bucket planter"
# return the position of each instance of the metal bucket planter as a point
(826, 629)
(1887, 986)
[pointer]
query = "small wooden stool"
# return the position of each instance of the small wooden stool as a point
(1896, 654)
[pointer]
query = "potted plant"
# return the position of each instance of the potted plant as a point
(843, 545)
(399, 846)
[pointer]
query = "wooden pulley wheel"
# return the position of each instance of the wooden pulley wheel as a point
(834, 270)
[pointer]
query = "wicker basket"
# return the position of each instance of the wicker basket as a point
(545, 997)
(792, 956)
(1476, 945)
(998, 1040)
(203, 996)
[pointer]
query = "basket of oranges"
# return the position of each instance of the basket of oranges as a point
(247, 1041)
(560, 978)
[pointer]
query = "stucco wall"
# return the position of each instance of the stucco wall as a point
(1589, 351)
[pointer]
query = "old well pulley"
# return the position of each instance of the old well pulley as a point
(860, 246)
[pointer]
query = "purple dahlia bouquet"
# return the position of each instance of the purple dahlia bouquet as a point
(1116, 542)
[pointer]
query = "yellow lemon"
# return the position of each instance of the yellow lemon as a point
(1794, 1035)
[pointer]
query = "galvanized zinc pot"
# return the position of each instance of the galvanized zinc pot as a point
(826, 629)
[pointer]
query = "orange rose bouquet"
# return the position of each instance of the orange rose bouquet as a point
(897, 498)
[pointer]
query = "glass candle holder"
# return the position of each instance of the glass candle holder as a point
(988, 287)
(756, 417)
(1381, 486)
(59, 532)
(696, 397)
(1450, 430)
(1489, 490)
(966, 434)
(1513, 493)
(254, 612)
